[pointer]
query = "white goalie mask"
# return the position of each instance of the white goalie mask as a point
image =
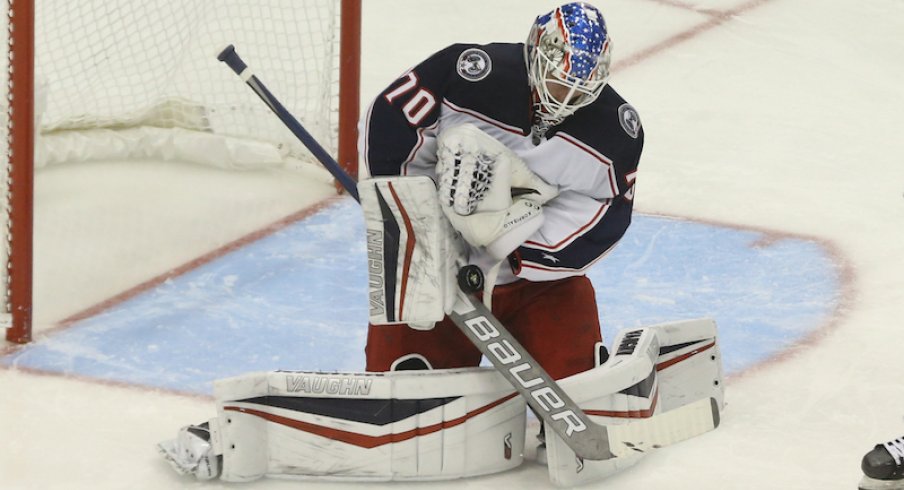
(567, 55)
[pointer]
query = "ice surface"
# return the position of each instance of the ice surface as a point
(296, 299)
(781, 118)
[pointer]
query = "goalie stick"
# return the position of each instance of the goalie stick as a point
(231, 58)
(558, 411)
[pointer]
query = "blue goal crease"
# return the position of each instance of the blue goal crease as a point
(296, 300)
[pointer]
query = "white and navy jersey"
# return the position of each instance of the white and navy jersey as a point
(591, 156)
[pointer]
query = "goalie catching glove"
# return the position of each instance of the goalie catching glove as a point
(487, 192)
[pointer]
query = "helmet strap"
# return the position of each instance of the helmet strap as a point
(539, 126)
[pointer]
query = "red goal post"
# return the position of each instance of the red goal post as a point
(125, 64)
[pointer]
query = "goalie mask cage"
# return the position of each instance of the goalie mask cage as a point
(101, 66)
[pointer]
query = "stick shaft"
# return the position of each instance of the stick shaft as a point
(235, 62)
(558, 411)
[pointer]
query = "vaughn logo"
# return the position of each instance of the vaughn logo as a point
(644, 339)
(375, 272)
(629, 343)
(328, 385)
(528, 377)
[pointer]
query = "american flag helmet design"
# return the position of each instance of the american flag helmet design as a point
(567, 53)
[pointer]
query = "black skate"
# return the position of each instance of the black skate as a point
(883, 467)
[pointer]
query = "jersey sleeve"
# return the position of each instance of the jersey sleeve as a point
(583, 224)
(400, 123)
(578, 231)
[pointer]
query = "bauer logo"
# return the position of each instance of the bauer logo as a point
(474, 64)
(328, 385)
(505, 356)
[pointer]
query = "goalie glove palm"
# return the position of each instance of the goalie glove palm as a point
(476, 175)
(474, 171)
(503, 231)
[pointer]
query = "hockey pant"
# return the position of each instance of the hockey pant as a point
(556, 321)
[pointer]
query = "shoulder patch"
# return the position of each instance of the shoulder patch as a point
(629, 120)
(474, 64)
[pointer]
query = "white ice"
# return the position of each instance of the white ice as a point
(776, 115)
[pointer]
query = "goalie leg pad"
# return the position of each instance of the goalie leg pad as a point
(412, 251)
(661, 385)
(689, 364)
(409, 425)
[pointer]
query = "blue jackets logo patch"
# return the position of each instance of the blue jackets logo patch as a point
(474, 64)
(629, 120)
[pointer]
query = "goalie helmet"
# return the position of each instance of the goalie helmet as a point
(567, 55)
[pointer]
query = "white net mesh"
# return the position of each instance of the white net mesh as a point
(123, 70)
(153, 62)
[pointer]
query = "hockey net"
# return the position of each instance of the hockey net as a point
(139, 79)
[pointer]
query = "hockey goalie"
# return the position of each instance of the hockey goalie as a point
(424, 419)
(500, 174)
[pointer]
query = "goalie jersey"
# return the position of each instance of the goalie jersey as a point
(591, 156)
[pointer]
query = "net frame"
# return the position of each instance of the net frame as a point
(25, 25)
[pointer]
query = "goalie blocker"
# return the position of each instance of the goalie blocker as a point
(418, 236)
(413, 254)
(662, 384)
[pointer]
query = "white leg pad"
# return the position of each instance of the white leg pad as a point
(689, 363)
(661, 385)
(410, 425)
